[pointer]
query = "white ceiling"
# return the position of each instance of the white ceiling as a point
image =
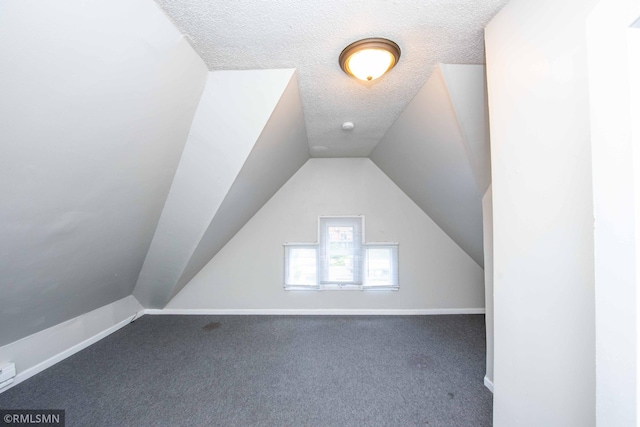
(251, 34)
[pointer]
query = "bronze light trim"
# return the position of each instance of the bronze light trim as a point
(370, 43)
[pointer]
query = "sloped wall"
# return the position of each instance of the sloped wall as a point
(246, 140)
(279, 152)
(96, 103)
(248, 272)
(467, 87)
(429, 157)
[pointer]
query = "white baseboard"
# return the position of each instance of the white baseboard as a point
(488, 384)
(67, 338)
(315, 312)
(58, 342)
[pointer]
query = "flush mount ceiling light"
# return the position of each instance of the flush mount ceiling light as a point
(369, 59)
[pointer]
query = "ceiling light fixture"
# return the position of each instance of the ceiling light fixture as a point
(369, 59)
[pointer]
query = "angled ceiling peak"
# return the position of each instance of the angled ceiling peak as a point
(247, 138)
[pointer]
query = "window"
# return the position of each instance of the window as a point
(380, 266)
(300, 265)
(341, 259)
(341, 250)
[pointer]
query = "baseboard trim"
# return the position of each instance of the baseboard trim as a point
(47, 363)
(488, 384)
(28, 373)
(70, 351)
(314, 312)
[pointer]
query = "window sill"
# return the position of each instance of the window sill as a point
(334, 287)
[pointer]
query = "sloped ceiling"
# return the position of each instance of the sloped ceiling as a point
(246, 140)
(279, 152)
(98, 100)
(95, 107)
(309, 36)
(467, 88)
(427, 154)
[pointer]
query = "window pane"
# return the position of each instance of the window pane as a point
(302, 266)
(341, 259)
(340, 253)
(379, 267)
(339, 236)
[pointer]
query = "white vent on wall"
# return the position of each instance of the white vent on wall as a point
(7, 374)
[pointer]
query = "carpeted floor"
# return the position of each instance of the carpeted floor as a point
(272, 371)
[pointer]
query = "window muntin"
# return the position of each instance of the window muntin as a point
(341, 259)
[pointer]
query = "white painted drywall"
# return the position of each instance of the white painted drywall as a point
(233, 111)
(544, 311)
(609, 50)
(634, 77)
(424, 154)
(466, 84)
(280, 151)
(37, 352)
(487, 221)
(248, 272)
(96, 103)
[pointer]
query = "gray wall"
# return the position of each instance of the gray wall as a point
(97, 100)
(279, 152)
(427, 155)
(247, 138)
(248, 272)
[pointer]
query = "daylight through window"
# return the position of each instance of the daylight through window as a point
(341, 259)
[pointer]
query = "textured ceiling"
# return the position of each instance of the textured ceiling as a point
(309, 36)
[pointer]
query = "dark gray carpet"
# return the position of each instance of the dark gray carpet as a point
(272, 371)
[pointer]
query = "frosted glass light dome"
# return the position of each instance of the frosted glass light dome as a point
(369, 59)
